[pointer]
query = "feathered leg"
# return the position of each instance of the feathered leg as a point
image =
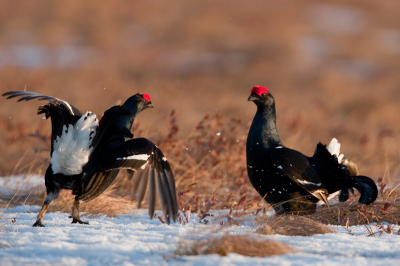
(51, 196)
(75, 212)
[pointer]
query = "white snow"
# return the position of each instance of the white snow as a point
(22, 183)
(137, 240)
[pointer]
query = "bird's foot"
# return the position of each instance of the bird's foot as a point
(38, 224)
(78, 221)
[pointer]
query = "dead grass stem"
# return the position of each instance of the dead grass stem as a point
(245, 245)
(291, 225)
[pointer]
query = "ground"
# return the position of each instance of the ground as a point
(137, 240)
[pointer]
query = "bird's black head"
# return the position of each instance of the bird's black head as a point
(261, 96)
(139, 102)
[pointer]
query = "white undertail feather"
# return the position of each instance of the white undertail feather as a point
(71, 151)
(334, 149)
(142, 157)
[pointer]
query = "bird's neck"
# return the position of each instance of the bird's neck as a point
(127, 121)
(263, 130)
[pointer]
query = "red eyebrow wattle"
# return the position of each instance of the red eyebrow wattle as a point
(259, 90)
(146, 97)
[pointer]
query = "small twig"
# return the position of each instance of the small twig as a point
(369, 228)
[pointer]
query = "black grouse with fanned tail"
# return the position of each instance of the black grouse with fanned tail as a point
(290, 181)
(86, 156)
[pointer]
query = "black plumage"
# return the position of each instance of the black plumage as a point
(288, 180)
(86, 157)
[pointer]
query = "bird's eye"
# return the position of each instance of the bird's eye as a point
(146, 101)
(263, 95)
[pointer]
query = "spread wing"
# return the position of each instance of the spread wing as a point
(28, 95)
(61, 112)
(296, 166)
(153, 173)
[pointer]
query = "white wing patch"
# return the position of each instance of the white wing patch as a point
(305, 182)
(71, 150)
(334, 149)
(142, 157)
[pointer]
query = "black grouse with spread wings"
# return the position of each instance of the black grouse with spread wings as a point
(86, 156)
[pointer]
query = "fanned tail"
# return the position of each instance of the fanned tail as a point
(365, 185)
(334, 149)
(342, 174)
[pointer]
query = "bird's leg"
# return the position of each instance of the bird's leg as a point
(51, 196)
(75, 212)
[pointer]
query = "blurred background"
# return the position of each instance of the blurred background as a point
(332, 66)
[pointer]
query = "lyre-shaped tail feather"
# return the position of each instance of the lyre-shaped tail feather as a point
(365, 185)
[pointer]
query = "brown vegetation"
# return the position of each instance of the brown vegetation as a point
(353, 213)
(242, 244)
(291, 225)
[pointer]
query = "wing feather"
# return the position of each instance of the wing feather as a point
(152, 170)
(163, 197)
(152, 193)
(28, 95)
(296, 166)
(144, 180)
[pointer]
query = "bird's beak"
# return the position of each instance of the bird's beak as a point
(150, 105)
(253, 97)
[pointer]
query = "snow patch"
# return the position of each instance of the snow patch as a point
(23, 183)
(136, 240)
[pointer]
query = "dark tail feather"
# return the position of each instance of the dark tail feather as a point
(365, 185)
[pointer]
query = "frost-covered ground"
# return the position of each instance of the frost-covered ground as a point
(137, 240)
(10, 185)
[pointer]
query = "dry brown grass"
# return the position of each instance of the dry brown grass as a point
(109, 203)
(242, 244)
(210, 174)
(291, 225)
(354, 213)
